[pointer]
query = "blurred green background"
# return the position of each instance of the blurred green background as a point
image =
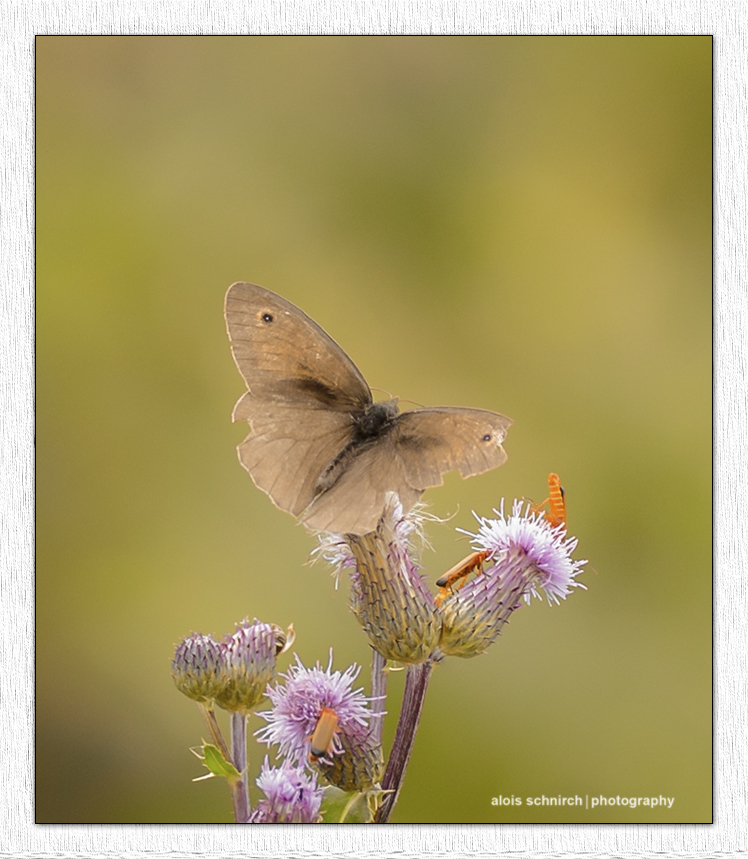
(515, 223)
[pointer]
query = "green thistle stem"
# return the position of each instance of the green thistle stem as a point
(209, 715)
(239, 791)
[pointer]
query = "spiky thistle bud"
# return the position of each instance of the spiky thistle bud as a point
(389, 597)
(250, 660)
(199, 667)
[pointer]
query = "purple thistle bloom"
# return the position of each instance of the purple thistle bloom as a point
(526, 556)
(298, 703)
(292, 795)
(199, 667)
(333, 549)
(353, 761)
(546, 547)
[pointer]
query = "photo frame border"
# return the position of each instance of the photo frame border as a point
(727, 23)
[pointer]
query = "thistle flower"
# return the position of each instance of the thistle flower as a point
(334, 549)
(199, 667)
(526, 556)
(250, 659)
(389, 597)
(292, 795)
(353, 760)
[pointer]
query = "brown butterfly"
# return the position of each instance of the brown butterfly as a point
(319, 446)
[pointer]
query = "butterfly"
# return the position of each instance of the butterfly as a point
(319, 445)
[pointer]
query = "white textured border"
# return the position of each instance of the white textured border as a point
(20, 20)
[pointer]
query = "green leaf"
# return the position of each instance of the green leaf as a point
(339, 806)
(217, 765)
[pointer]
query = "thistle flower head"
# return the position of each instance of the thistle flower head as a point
(353, 760)
(545, 546)
(389, 597)
(250, 657)
(199, 667)
(291, 795)
(404, 531)
(525, 556)
(299, 702)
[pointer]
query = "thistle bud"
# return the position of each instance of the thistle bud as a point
(354, 762)
(389, 597)
(250, 660)
(199, 667)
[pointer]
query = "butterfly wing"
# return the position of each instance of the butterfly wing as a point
(430, 442)
(356, 501)
(284, 355)
(423, 445)
(304, 392)
(289, 448)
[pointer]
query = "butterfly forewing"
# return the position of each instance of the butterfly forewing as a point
(284, 355)
(304, 392)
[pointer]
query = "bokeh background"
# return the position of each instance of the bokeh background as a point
(516, 223)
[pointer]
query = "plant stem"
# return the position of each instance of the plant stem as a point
(240, 792)
(416, 683)
(378, 694)
(211, 722)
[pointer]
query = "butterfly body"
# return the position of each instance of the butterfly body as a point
(319, 446)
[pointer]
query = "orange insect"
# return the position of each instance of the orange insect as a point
(327, 725)
(556, 514)
(461, 570)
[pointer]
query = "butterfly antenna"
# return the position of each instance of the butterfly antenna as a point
(382, 391)
(419, 405)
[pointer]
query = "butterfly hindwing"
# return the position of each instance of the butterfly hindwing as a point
(354, 504)
(289, 448)
(422, 446)
(432, 441)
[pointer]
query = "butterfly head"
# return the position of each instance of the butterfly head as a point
(376, 420)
